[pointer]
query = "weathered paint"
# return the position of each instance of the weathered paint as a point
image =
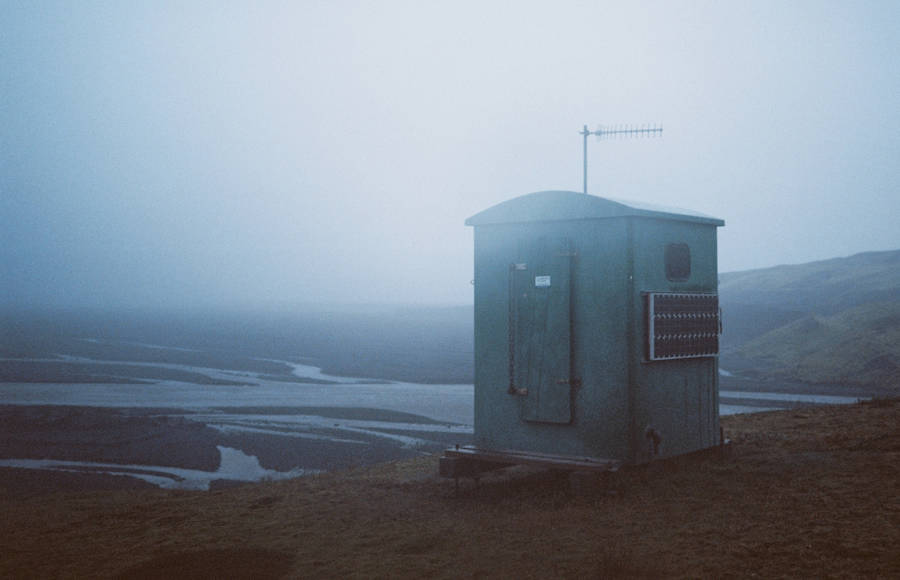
(560, 279)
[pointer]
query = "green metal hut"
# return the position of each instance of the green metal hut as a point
(596, 333)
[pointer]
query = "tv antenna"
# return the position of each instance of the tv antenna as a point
(615, 131)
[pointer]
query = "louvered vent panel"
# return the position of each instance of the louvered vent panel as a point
(682, 325)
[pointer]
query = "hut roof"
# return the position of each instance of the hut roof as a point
(543, 206)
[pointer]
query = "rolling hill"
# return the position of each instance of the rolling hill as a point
(833, 321)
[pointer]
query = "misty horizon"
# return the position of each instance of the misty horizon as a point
(184, 156)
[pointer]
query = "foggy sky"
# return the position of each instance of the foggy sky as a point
(274, 153)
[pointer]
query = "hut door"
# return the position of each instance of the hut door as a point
(540, 331)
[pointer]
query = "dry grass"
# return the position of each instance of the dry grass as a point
(810, 493)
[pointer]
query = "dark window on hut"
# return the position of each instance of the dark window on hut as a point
(678, 262)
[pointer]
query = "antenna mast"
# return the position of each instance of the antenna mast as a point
(615, 131)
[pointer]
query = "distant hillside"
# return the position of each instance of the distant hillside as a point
(825, 287)
(834, 321)
(858, 346)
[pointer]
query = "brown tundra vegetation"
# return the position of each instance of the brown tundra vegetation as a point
(810, 492)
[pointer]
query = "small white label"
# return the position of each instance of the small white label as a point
(542, 281)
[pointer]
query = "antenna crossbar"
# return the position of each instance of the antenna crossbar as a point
(627, 131)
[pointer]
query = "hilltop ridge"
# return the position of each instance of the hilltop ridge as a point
(824, 287)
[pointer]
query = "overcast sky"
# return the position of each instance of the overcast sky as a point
(270, 153)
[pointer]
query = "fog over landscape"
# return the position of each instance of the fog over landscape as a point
(170, 154)
(238, 332)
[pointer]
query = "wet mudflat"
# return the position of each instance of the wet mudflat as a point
(801, 493)
(49, 448)
(202, 427)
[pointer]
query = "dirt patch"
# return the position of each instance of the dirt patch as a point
(128, 436)
(234, 564)
(22, 483)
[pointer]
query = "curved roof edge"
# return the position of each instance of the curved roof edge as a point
(544, 206)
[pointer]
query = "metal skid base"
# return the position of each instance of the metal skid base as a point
(471, 461)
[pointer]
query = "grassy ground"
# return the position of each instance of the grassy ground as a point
(803, 493)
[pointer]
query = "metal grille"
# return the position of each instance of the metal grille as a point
(682, 325)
